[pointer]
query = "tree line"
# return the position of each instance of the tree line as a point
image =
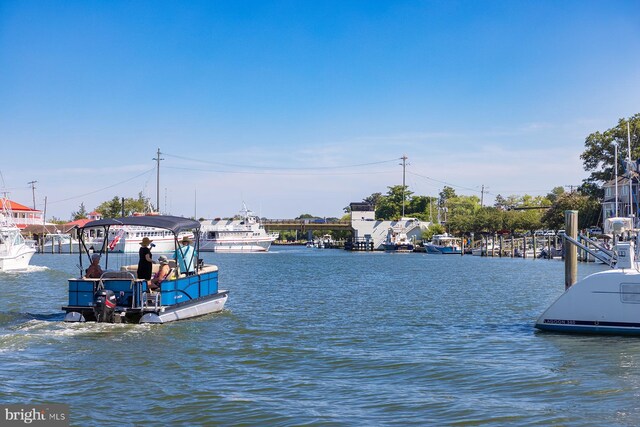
(460, 214)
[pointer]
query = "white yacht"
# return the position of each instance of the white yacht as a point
(15, 252)
(603, 302)
(127, 239)
(245, 234)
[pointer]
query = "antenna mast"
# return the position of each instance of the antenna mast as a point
(633, 224)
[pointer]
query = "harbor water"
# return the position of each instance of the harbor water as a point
(325, 338)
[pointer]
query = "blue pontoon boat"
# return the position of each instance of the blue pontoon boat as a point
(118, 296)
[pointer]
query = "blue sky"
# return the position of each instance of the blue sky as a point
(305, 106)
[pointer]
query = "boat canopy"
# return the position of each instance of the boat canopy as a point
(175, 224)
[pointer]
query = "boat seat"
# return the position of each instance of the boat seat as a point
(118, 275)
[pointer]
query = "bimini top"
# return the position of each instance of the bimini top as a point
(175, 224)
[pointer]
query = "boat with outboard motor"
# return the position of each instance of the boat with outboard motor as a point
(398, 241)
(606, 302)
(15, 251)
(443, 244)
(119, 296)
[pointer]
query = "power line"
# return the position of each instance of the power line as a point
(276, 172)
(276, 167)
(446, 183)
(104, 188)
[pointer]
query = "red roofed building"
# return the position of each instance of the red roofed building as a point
(23, 215)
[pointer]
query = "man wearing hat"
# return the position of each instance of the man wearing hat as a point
(186, 257)
(94, 271)
(145, 264)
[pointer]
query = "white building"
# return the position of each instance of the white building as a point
(367, 229)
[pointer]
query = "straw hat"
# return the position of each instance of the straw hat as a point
(146, 241)
(185, 239)
(163, 260)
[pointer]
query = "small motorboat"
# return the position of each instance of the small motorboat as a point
(444, 244)
(119, 296)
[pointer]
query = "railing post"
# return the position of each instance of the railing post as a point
(570, 250)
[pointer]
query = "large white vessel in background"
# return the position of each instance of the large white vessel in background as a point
(245, 234)
(15, 252)
(127, 238)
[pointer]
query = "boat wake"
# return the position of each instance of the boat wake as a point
(29, 269)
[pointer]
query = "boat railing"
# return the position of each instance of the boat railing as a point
(606, 257)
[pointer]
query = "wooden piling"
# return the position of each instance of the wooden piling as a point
(513, 247)
(571, 258)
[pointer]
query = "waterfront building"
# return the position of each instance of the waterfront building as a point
(373, 233)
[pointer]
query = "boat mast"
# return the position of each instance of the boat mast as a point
(633, 224)
(615, 162)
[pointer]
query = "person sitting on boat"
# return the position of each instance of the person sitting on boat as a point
(162, 274)
(94, 271)
(186, 257)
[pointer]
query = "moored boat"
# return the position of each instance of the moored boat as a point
(245, 234)
(119, 296)
(397, 241)
(444, 244)
(15, 252)
(605, 302)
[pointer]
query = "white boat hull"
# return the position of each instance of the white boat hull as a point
(605, 302)
(17, 261)
(235, 246)
(171, 314)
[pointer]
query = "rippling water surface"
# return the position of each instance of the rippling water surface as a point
(325, 337)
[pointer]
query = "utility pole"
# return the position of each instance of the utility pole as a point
(157, 159)
(404, 165)
(482, 197)
(33, 192)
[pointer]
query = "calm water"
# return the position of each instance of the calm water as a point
(325, 337)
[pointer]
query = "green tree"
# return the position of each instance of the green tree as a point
(588, 208)
(460, 213)
(306, 216)
(598, 156)
(555, 193)
(81, 214)
(114, 207)
(373, 199)
(390, 206)
(446, 194)
(111, 208)
(431, 230)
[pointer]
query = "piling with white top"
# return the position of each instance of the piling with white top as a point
(571, 252)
